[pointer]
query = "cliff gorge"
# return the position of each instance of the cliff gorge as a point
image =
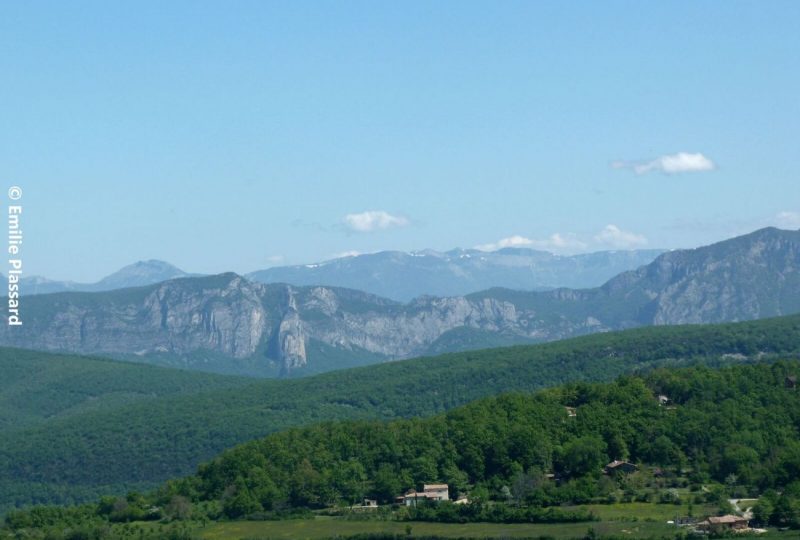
(228, 323)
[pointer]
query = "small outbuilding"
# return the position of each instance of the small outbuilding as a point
(791, 382)
(618, 466)
(716, 524)
(430, 492)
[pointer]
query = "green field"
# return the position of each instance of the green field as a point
(644, 511)
(323, 527)
(634, 519)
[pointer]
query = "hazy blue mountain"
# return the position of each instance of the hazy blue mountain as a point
(138, 274)
(399, 275)
(403, 276)
(134, 275)
(230, 324)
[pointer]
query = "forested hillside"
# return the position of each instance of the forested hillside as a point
(515, 456)
(77, 457)
(38, 387)
(742, 421)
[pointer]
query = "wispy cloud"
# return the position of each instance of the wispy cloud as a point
(343, 254)
(613, 236)
(555, 242)
(275, 259)
(682, 162)
(373, 220)
(788, 220)
(562, 242)
(511, 241)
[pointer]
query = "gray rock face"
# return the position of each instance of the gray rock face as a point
(291, 336)
(223, 315)
(234, 317)
(749, 277)
(243, 322)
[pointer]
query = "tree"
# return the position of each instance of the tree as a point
(584, 455)
(305, 485)
(263, 488)
(351, 481)
(179, 507)
(386, 485)
(664, 452)
(522, 485)
(241, 502)
(765, 507)
(787, 511)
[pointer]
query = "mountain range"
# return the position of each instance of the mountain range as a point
(134, 275)
(399, 275)
(403, 276)
(230, 324)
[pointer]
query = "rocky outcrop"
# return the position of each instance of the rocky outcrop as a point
(291, 337)
(409, 330)
(749, 277)
(250, 323)
(224, 314)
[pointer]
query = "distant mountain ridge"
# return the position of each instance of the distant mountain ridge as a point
(404, 276)
(134, 275)
(400, 275)
(231, 324)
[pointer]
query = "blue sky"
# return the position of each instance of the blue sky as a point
(239, 135)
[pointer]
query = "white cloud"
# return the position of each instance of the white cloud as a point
(613, 236)
(555, 242)
(681, 162)
(373, 220)
(343, 254)
(788, 220)
(275, 259)
(561, 242)
(511, 241)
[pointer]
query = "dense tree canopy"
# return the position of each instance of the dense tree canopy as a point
(70, 451)
(740, 421)
(736, 428)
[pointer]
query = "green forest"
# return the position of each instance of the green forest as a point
(517, 456)
(63, 447)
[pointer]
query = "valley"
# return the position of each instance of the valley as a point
(228, 324)
(60, 447)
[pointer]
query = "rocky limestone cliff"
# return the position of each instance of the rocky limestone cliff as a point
(291, 337)
(224, 314)
(757, 275)
(749, 277)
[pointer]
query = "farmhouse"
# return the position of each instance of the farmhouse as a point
(723, 523)
(430, 492)
(368, 504)
(791, 381)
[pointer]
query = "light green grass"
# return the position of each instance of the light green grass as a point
(322, 527)
(645, 511)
